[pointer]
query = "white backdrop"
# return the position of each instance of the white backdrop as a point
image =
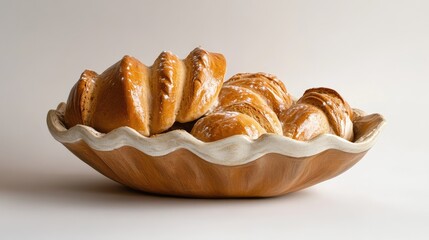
(375, 53)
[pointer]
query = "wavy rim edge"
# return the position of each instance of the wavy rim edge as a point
(231, 151)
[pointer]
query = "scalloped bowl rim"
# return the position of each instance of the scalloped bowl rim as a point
(230, 151)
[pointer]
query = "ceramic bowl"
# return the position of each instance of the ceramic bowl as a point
(176, 163)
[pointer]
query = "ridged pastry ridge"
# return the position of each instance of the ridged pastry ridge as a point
(147, 98)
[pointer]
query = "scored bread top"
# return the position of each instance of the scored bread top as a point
(167, 81)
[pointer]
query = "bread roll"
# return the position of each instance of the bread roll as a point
(147, 99)
(267, 86)
(255, 95)
(303, 122)
(243, 100)
(220, 125)
(318, 111)
(204, 80)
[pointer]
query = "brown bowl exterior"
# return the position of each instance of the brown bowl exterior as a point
(182, 173)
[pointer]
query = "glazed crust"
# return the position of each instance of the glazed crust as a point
(304, 122)
(239, 99)
(120, 96)
(204, 80)
(334, 107)
(267, 86)
(318, 111)
(258, 96)
(167, 84)
(220, 125)
(147, 99)
(80, 100)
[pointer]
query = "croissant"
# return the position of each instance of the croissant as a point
(248, 104)
(318, 111)
(147, 99)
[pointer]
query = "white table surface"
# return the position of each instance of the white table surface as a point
(373, 52)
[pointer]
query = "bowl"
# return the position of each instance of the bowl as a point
(176, 163)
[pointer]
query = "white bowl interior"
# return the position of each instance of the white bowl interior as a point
(231, 151)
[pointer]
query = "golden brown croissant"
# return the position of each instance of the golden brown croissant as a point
(318, 111)
(148, 99)
(248, 104)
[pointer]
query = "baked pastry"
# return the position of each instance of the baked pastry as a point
(248, 104)
(219, 125)
(147, 99)
(318, 111)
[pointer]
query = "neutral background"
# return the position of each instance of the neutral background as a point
(375, 53)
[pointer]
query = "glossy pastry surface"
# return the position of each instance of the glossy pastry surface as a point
(318, 111)
(220, 125)
(259, 96)
(147, 99)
